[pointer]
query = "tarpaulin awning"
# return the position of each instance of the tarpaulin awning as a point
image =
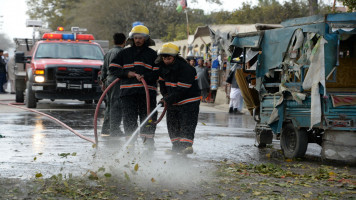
(252, 40)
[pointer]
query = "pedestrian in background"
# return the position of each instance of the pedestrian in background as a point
(130, 65)
(2, 72)
(235, 96)
(203, 79)
(113, 110)
(192, 62)
(181, 93)
(11, 64)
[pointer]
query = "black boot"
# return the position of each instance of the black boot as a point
(231, 110)
(237, 112)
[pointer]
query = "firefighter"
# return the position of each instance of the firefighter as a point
(181, 93)
(113, 114)
(130, 65)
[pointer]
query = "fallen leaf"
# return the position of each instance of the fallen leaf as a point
(64, 155)
(332, 174)
(127, 176)
(65, 183)
(256, 193)
(136, 167)
(222, 195)
(38, 175)
(107, 175)
(35, 158)
(181, 192)
(74, 154)
(203, 123)
(93, 176)
(153, 180)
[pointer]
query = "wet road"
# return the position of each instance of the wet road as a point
(34, 144)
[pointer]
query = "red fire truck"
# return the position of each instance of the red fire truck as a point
(62, 65)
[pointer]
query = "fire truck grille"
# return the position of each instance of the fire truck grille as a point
(76, 74)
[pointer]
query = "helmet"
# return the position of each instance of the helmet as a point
(169, 49)
(139, 29)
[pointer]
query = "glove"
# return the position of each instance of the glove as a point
(162, 102)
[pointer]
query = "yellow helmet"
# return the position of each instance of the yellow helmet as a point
(169, 49)
(139, 29)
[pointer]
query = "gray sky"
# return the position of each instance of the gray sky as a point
(13, 12)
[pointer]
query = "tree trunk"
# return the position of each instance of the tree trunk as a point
(313, 7)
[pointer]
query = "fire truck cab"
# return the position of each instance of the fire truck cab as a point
(62, 66)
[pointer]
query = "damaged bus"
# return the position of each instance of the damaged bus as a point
(304, 90)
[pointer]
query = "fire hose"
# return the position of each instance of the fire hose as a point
(53, 118)
(147, 101)
(96, 112)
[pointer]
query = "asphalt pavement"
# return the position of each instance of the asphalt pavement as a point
(34, 144)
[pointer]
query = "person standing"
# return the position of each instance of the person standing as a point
(181, 93)
(203, 79)
(192, 62)
(113, 113)
(235, 92)
(2, 72)
(130, 65)
(11, 74)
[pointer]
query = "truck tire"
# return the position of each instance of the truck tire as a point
(294, 142)
(20, 97)
(30, 99)
(263, 137)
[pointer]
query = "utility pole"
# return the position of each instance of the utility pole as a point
(334, 6)
(186, 16)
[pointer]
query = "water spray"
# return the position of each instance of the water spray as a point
(149, 113)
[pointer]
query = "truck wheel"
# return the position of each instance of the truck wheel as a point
(263, 137)
(20, 97)
(294, 142)
(30, 99)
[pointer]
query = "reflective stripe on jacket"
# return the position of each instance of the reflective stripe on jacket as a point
(138, 60)
(178, 82)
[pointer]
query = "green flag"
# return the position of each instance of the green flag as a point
(179, 8)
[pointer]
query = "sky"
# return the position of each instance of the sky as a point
(13, 14)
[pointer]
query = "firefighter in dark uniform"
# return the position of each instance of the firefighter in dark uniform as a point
(113, 114)
(130, 65)
(181, 93)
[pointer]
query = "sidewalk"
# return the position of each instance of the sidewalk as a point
(5, 99)
(221, 103)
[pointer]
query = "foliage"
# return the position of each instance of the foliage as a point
(179, 32)
(267, 11)
(54, 12)
(351, 4)
(103, 18)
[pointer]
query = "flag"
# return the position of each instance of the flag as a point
(181, 5)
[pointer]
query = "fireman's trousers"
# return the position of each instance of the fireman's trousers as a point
(113, 111)
(181, 123)
(134, 106)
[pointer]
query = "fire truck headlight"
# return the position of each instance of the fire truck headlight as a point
(39, 79)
